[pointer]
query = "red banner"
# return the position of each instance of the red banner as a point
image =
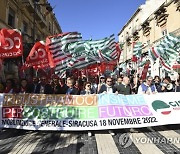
(38, 57)
(10, 43)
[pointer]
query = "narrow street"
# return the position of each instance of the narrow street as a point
(15, 141)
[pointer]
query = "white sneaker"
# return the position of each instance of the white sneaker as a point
(89, 133)
(111, 132)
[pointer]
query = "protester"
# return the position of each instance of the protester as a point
(177, 86)
(87, 89)
(71, 89)
(167, 85)
(119, 81)
(32, 87)
(101, 82)
(43, 87)
(134, 85)
(9, 87)
(124, 88)
(1, 87)
(55, 84)
(147, 87)
(78, 86)
(157, 82)
(108, 87)
(23, 86)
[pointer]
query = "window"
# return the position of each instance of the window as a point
(25, 27)
(164, 32)
(11, 17)
(49, 26)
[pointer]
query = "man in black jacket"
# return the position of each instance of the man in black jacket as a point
(108, 87)
(124, 88)
(43, 87)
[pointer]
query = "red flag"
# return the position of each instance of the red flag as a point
(38, 57)
(134, 59)
(118, 51)
(145, 70)
(10, 43)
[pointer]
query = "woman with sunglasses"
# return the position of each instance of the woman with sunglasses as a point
(87, 91)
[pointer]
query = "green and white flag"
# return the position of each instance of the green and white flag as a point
(167, 51)
(137, 49)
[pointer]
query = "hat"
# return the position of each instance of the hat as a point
(102, 76)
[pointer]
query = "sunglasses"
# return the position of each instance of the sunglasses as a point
(88, 85)
(109, 81)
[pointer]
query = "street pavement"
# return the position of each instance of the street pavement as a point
(164, 139)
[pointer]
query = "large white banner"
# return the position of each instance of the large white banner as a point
(91, 112)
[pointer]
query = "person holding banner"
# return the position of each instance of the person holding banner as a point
(71, 89)
(32, 87)
(124, 88)
(101, 82)
(9, 87)
(43, 87)
(108, 88)
(87, 91)
(147, 87)
(23, 86)
(56, 85)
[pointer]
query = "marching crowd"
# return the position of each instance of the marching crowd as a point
(82, 86)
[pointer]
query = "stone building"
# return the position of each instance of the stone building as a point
(149, 24)
(34, 18)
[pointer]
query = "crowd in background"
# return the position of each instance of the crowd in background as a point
(81, 86)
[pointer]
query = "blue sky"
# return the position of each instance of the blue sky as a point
(94, 19)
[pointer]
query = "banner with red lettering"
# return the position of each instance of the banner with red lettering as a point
(38, 57)
(10, 43)
(88, 112)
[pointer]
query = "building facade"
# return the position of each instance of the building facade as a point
(34, 18)
(148, 25)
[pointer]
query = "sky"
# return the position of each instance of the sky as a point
(94, 19)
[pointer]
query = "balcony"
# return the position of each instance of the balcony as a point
(39, 16)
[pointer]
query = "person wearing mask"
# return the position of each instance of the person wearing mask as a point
(124, 88)
(43, 87)
(147, 87)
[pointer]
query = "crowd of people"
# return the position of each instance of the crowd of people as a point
(82, 86)
(125, 85)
